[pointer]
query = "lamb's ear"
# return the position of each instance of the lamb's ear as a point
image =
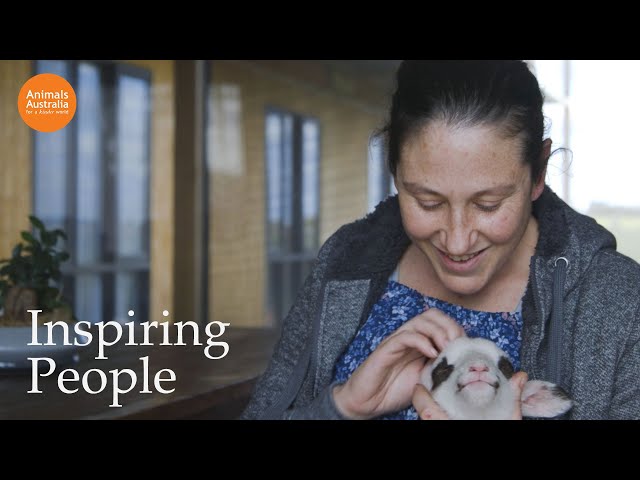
(544, 400)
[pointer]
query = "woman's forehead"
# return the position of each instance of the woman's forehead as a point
(460, 152)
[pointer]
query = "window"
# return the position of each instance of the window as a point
(92, 179)
(599, 177)
(380, 181)
(292, 206)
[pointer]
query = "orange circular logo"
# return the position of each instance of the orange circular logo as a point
(47, 102)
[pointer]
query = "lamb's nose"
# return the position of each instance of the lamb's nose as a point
(479, 367)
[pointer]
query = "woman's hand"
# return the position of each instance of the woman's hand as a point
(385, 381)
(428, 408)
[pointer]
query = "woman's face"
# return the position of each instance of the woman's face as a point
(465, 197)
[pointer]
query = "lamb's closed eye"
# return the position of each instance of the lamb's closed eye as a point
(470, 380)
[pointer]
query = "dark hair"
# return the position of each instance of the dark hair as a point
(468, 93)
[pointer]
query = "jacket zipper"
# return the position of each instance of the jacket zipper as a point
(537, 309)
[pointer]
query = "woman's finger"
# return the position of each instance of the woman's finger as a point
(426, 406)
(453, 328)
(428, 328)
(517, 382)
(438, 327)
(399, 342)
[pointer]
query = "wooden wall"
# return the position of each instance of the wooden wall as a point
(237, 261)
(15, 156)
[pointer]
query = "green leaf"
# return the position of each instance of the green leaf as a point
(36, 222)
(29, 238)
(17, 251)
(48, 238)
(63, 256)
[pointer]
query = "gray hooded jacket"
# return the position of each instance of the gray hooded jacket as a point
(581, 317)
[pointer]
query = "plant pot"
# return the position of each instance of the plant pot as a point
(15, 350)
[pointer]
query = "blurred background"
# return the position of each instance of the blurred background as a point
(205, 188)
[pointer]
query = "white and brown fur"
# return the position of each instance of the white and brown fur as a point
(470, 381)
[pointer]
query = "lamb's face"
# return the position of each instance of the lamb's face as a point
(472, 369)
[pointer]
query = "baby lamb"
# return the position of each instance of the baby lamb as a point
(470, 381)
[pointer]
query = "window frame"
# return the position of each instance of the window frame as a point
(297, 256)
(108, 266)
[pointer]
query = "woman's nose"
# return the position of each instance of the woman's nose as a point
(458, 235)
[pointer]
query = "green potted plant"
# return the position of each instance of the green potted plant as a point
(29, 279)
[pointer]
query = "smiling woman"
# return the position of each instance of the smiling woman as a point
(474, 244)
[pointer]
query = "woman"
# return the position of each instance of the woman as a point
(474, 243)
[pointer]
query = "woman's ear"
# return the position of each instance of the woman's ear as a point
(538, 186)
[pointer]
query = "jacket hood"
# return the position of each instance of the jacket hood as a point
(563, 232)
(371, 245)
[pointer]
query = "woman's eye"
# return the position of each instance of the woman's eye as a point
(488, 208)
(430, 206)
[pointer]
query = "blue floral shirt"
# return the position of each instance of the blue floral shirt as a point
(399, 304)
